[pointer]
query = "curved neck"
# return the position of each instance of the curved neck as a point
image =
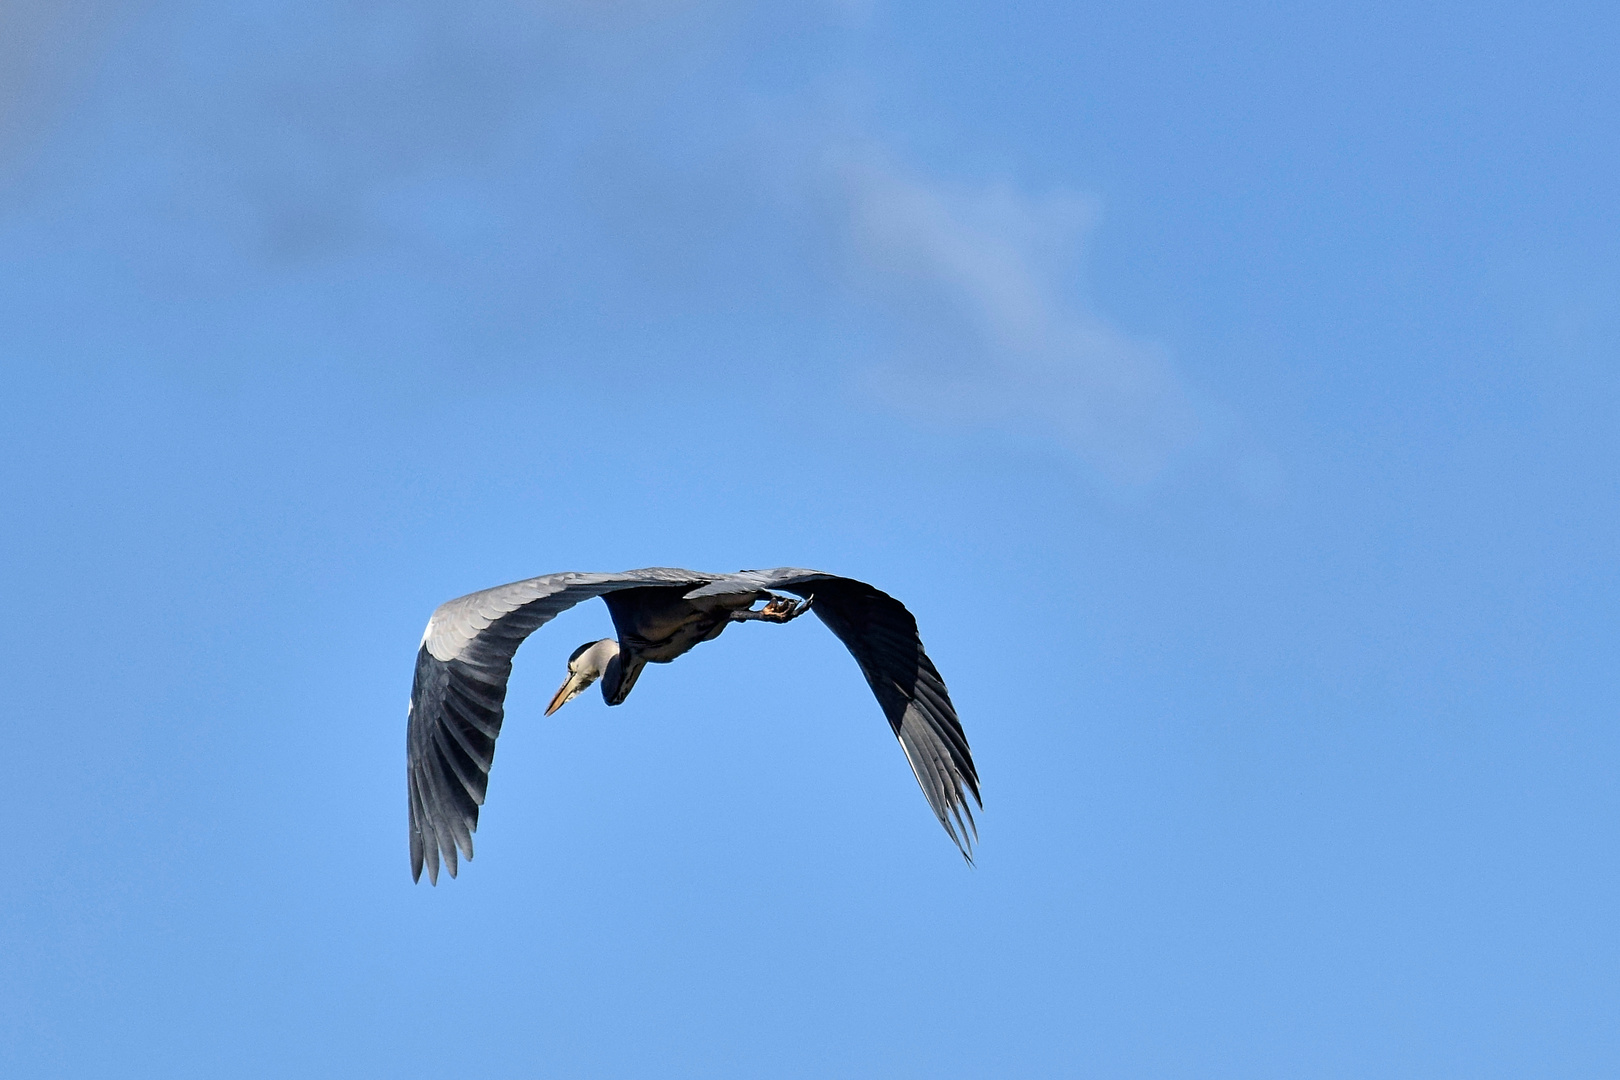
(595, 659)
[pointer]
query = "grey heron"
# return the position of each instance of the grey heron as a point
(459, 692)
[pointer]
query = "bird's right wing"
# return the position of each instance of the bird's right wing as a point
(882, 636)
(459, 693)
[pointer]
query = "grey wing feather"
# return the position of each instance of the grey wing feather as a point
(882, 636)
(458, 699)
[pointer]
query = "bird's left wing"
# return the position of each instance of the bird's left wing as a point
(882, 636)
(458, 698)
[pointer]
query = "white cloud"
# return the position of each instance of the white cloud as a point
(990, 332)
(559, 135)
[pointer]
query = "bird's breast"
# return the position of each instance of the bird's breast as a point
(680, 640)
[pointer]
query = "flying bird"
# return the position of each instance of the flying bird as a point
(459, 693)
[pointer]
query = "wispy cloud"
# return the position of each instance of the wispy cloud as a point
(989, 331)
(510, 151)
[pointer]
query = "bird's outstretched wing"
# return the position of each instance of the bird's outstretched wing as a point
(459, 694)
(882, 636)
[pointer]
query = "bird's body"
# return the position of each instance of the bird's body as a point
(659, 614)
(656, 624)
(661, 624)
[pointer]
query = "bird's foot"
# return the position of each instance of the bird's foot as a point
(778, 609)
(784, 608)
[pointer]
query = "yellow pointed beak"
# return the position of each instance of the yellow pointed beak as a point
(569, 688)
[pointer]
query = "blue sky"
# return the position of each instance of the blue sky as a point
(1231, 391)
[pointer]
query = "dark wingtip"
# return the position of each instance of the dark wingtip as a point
(964, 844)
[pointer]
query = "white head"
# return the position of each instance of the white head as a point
(585, 666)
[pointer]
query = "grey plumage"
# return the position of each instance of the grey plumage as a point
(458, 695)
